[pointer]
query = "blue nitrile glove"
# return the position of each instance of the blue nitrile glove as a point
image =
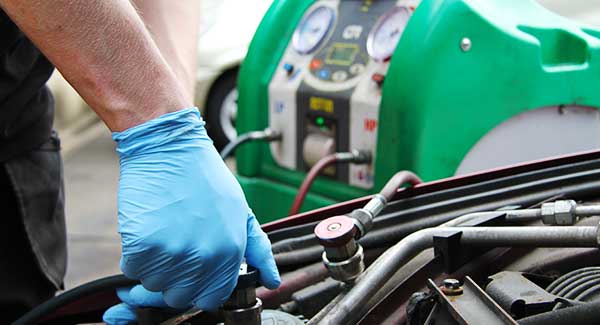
(132, 298)
(183, 219)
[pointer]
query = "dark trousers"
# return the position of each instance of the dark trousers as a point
(22, 283)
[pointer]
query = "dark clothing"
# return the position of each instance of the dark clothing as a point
(23, 283)
(36, 180)
(32, 227)
(26, 109)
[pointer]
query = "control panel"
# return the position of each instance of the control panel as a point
(325, 94)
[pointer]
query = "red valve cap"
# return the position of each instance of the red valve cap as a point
(335, 231)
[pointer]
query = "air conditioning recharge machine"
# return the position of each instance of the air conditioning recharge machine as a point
(438, 87)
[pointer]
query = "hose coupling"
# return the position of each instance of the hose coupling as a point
(270, 135)
(562, 213)
(343, 256)
(354, 157)
(363, 217)
(243, 307)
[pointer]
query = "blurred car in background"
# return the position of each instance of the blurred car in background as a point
(226, 29)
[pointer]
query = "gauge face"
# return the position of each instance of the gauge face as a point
(385, 35)
(312, 29)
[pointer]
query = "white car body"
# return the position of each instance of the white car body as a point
(226, 29)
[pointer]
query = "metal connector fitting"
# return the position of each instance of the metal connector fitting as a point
(354, 157)
(376, 204)
(343, 256)
(562, 212)
(246, 316)
(346, 270)
(363, 217)
(271, 135)
(363, 220)
(243, 307)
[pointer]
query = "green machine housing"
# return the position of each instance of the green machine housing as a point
(438, 87)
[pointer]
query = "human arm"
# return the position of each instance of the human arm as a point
(183, 219)
(104, 51)
(174, 28)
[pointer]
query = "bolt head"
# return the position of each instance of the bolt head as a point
(465, 44)
(451, 284)
(452, 287)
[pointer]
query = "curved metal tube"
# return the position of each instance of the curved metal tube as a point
(387, 264)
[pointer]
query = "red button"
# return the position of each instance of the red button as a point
(316, 64)
(335, 231)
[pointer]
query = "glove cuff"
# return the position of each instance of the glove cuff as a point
(157, 135)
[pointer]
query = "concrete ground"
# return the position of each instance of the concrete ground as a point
(91, 178)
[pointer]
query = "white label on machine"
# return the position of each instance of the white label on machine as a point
(364, 124)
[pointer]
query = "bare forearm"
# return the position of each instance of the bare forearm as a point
(174, 27)
(103, 49)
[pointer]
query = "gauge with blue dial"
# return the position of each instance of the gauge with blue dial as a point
(312, 29)
(386, 33)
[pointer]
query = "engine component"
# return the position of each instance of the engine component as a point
(582, 284)
(582, 314)
(276, 317)
(384, 267)
(343, 256)
(243, 307)
(469, 304)
(518, 295)
(310, 300)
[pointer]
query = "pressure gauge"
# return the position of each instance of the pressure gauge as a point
(312, 29)
(386, 33)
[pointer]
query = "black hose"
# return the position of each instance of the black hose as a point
(265, 135)
(50, 306)
(300, 256)
(580, 314)
(303, 249)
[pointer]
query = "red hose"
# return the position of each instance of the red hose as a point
(309, 179)
(399, 179)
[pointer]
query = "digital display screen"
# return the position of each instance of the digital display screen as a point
(341, 54)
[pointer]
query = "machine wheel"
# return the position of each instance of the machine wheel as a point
(221, 109)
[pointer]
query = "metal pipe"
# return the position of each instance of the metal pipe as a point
(523, 215)
(388, 263)
(587, 210)
(302, 249)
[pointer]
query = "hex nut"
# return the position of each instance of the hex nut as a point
(564, 211)
(560, 212)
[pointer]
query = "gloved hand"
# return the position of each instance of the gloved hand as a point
(132, 298)
(183, 219)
